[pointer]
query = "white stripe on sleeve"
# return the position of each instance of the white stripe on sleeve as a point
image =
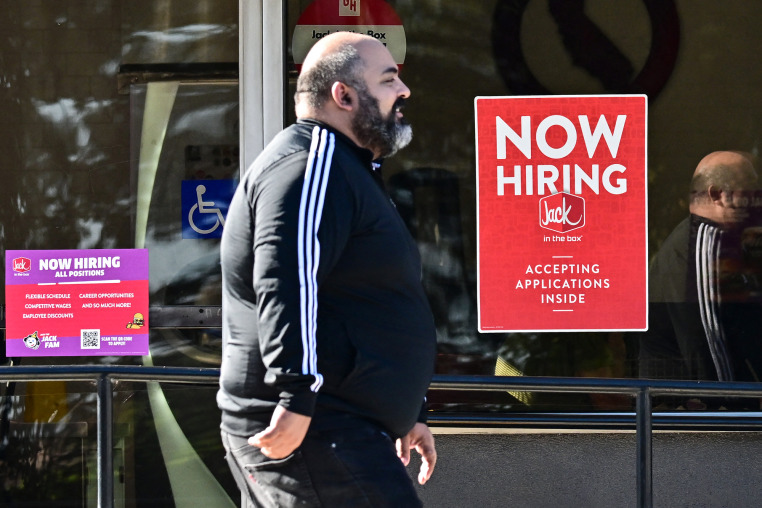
(310, 213)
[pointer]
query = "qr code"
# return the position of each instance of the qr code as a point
(90, 339)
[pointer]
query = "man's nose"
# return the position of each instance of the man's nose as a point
(404, 91)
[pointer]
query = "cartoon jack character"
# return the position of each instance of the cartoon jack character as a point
(32, 341)
(137, 321)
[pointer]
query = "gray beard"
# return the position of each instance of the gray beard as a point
(384, 136)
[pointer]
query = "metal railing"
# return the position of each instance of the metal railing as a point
(641, 390)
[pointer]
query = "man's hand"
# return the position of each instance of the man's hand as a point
(284, 435)
(422, 440)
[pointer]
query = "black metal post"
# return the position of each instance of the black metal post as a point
(105, 443)
(644, 435)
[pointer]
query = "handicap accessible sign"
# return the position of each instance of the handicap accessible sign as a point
(205, 204)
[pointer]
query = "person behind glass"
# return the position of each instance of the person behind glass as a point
(704, 317)
(328, 339)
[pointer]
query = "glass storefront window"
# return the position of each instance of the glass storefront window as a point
(166, 452)
(87, 85)
(84, 84)
(198, 127)
(701, 99)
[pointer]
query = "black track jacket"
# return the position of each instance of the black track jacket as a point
(322, 303)
(704, 313)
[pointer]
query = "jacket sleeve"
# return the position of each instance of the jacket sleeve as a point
(289, 265)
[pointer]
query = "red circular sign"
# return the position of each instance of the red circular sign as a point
(370, 17)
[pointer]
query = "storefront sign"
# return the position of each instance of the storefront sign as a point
(370, 17)
(76, 302)
(561, 213)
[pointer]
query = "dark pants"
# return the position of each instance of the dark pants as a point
(349, 463)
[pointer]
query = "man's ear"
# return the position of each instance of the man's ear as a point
(343, 96)
(715, 194)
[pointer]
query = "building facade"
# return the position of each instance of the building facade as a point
(110, 105)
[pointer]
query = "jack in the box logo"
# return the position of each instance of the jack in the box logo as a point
(562, 212)
(22, 265)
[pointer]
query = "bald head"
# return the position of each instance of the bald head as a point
(729, 170)
(336, 57)
(722, 185)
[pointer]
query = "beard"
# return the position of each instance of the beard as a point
(383, 135)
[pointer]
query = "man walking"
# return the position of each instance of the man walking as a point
(328, 340)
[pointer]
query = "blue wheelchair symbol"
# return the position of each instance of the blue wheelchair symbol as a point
(204, 207)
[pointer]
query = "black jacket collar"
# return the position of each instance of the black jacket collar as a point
(364, 154)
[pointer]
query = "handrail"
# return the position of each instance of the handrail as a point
(116, 372)
(641, 389)
(103, 376)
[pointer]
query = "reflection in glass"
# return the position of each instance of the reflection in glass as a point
(705, 281)
(195, 127)
(700, 100)
(45, 444)
(48, 450)
(68, 139)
